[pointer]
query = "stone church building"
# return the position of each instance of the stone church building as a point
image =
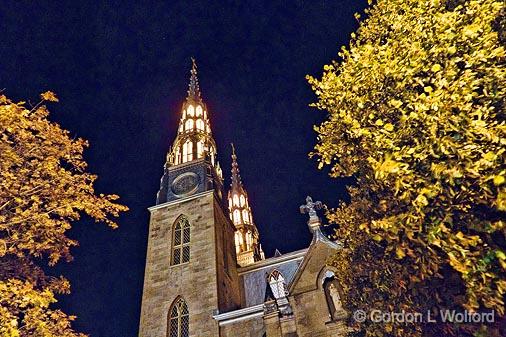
(206, 274)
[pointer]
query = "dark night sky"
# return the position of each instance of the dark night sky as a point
(121, 72)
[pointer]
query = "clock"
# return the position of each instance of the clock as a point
(185, 184)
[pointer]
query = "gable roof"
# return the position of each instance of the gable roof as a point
(320, 249)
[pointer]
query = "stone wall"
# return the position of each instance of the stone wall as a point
(253, 327)
(195, 281)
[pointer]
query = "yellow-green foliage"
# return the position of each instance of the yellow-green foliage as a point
(417, 110)
(44, 187)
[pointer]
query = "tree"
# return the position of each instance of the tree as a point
(44, 187)
(416, 113)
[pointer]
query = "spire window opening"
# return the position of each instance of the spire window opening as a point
(243, 200)
(187, 151)
(237, 217)
(200, 125)
(237, 242)
(245, 216)
(236, 200)
(189, 125)
(199, 111)
(177, 160)
(200, 149)
(191, 111)
(249, 240)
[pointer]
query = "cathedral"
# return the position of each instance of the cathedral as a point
(206, 273)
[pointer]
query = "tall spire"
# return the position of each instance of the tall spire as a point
(236, 185)
(247, 242)
(193, 86)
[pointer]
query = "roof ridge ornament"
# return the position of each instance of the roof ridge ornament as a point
(310, 207)
(193, 86)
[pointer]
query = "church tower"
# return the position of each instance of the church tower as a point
(191, 261)
(247, 243)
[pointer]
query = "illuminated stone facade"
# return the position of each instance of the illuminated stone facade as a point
(206, 274)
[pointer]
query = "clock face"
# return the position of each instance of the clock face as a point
(185, 184)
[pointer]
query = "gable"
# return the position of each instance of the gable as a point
(320, 250)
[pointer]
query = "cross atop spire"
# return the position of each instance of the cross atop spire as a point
(193, 86)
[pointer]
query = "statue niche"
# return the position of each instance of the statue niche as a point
(332, 295)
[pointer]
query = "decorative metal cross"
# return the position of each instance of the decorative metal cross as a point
(310, 207)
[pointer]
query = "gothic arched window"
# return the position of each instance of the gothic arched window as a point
(191, 110)
(277, 284)
(187, 151)
(200, 149)
(243, 200)
(200, 125)
(199, 110)
(189, 125)
(236, 200)
(237, 216)
(179, 319)
(245, 216)
(181, 241)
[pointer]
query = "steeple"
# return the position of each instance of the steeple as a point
(193, 86)
(194, 138)
(194, 147)
(236, 185)
(247, 241)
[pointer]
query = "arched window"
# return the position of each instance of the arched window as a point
(230, 204)
(200, 149)
(245, 216)
(191, 110)
(237, 242)
(177, 159)
(187, 151)
(249, 240)
(181, 241)
(200, 125)
(199, 111)
(236, 200)
(189, 125)
(179, 319)
(243, 200)
(332, 295)
(237, 216)
(277, 284)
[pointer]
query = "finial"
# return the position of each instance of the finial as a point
(193, 86)
(310, 207)
(233, 151)
(236, 178)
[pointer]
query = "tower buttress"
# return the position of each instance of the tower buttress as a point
(247, 240)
